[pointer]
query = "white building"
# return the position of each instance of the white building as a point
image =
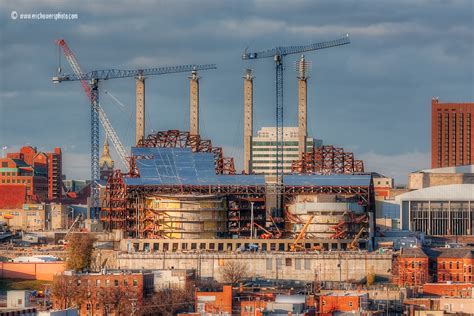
(264, 149)
(439, 210)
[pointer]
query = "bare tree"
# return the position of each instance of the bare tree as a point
(234, 271)
(67, 291)
(79, 251)
(116, 300)
(168, 302)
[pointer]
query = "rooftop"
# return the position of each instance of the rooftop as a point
(181, 166)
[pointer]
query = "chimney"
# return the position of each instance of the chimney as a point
(139, 108)
(248, 120)
(302, 68)
(194, 103)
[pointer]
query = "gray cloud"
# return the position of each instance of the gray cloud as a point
(373, 95)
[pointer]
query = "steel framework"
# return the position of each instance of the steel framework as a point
(124, 207)
(327, 159)
(180, 139)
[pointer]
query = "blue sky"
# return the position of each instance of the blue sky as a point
(372, 97)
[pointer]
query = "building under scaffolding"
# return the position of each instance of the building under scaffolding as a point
(181, 186)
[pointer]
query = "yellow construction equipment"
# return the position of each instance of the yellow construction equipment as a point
(354, 245)
(297, 245)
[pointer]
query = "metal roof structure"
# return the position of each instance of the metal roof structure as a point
(450, 192)
(181, 166)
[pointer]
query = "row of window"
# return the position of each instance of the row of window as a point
(107, 282)
(455, 278)
(458, 266)
(17, 181)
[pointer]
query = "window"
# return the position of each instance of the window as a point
(135, 282)
(288, 262)
(97, 282)
(116, 282)
(125, 282)
(269, 263)
(450, 265)
(457, 264)
(88, 306)
(107, 282)
(298, 263)
(350, 304)
(4, 164)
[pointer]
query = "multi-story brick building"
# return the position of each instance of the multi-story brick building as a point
(455, 265)
(15, 172)
(411, 267)
(452, 134)
(40, 172)
(107, 292)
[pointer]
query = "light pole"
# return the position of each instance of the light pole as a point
(251, 220)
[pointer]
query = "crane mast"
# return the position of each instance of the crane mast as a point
(277, 54)
(90, 84)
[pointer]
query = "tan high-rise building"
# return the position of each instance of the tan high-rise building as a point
(264, 149)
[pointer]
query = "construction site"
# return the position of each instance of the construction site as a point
(181, 187)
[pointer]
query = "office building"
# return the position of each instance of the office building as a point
(452, 134)
(264, 149)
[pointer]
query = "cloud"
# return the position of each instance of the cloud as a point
(397, 166)
(76, 165)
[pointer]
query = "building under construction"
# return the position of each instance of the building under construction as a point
(180, 186)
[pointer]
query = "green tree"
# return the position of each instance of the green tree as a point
(79, 251)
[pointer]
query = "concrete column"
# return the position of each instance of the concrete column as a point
(139, 108)
(248, 120)
(194, 103)
(302, 67)
(302, 116)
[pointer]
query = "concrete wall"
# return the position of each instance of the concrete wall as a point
(30, 271)
(420, 180)
(276, 265)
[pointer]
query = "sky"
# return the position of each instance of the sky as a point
(372, 97)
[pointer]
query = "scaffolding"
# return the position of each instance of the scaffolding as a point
(327, 159)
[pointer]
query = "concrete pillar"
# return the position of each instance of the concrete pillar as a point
(139, 108)
(248, 120)
(302, 68)
(194, 103)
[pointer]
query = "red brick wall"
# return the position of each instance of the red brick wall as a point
(330, 303)
(222, 303)
(413, 271)
(455, 269)
(455, 289)
(452, 136)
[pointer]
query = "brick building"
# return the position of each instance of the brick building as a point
(455, 265)
(346, 302)
(453, 289)
(452, 134)
(105, 292)
(412, 267)
(40, 173)
(217, 303)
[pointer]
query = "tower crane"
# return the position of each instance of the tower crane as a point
(90, 84)
(277, 54)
